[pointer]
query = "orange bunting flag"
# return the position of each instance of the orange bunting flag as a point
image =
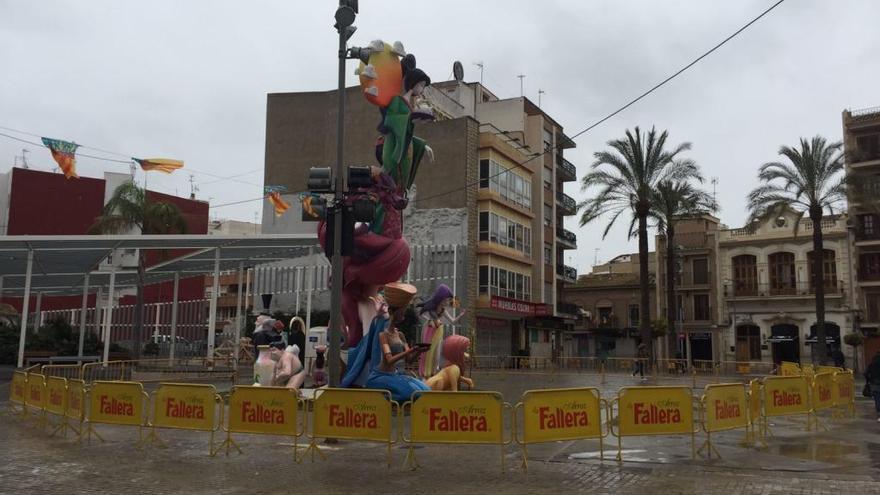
(164, 165)
(280, 205)
(64, 153)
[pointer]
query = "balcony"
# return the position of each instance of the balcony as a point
(567, 239)
(567, 204)
(572, 310)
(744, 290)
(567, 273)
(565, 170)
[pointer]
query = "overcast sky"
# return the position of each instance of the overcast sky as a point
(188, 80)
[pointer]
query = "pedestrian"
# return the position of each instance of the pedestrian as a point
(872, 377)
(298, 336)
(838, 357)
(641, 359)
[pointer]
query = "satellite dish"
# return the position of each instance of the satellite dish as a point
(458, 71)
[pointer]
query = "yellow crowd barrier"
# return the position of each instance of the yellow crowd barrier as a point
(785, 396)
(18, 391)
(68, 371)
(263, 411)
(186, 406)
(844, 394)
(353, 414)
(553, 415)
(787, 368)
(76, 405)
(35, 400)
(755, 431)
(116, 403)
(654, 411)
(455, 418)
(725, 407)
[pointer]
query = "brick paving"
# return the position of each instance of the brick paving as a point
(843, 460)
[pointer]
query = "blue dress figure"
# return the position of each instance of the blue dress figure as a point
(377, 361)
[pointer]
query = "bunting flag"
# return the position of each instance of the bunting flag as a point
(164, 165)
(280, 205)
(64, 153)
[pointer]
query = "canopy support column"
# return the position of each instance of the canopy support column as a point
(174, 315)
(24, 307)
(82, 318)
(212, 314)
(108, 314)
(239, 320)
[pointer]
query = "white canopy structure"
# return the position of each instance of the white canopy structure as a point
(68, 265)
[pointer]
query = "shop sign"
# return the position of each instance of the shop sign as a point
(518, 307)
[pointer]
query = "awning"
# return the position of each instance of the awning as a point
(777, 339)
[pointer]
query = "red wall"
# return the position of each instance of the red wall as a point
(43, 203)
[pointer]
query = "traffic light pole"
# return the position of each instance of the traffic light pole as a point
(335, 331)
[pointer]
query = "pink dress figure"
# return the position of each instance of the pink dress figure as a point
(434, 312)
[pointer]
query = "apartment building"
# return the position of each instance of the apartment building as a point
(767, 290)
(495, 187)
(697, 334)
(861, 139)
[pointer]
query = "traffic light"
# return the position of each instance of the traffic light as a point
(359, 177)
(320, 180)
(347, 214)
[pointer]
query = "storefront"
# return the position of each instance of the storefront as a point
(510, 327)
(785, 343)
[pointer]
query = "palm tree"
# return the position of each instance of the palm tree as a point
(671, 202)
(129, 210)
(810, 184)
(626, 177)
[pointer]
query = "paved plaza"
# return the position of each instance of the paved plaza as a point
(845, 459)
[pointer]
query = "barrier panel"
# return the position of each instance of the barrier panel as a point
(786, 396)
(844, 393)
(264, 411)
(18, 390)
(828, 369)
(185, 406)
(56, 390)
(68, 371)
(76, 405)
(36, 396)
(353, 414)
(808, 370)
(654, 411)
(787, 368)
(754, 411)
(117, 403)
(823, 391)
(456, 418)
(726, 407)
(554, 415)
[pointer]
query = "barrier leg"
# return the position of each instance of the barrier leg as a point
(411, 462)
(502, 458)
(693, 446)
(601, 448)
(229, 441)
(525, 459)
(90, 430)
(619, 449)
(389, 455)
(313, 447)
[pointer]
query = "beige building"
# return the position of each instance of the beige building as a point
(861, 138)
(767, 298)
(495, 187)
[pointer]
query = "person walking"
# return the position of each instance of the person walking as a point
(872, 377)
(839, 358)
(641, 359)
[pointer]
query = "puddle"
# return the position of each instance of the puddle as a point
(830, 452)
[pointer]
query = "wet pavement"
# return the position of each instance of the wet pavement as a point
(844, 459)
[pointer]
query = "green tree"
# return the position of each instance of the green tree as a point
(625, 178)
(671, 202)
(129, 209)
(809, 184)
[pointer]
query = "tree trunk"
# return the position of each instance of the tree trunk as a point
(670, 289)
(645, 306)
(139, 306)
(819, 284)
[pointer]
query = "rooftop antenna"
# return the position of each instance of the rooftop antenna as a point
(521, 77)
(193, 188)
(255, 222)
(480, 65)
(714, 203)
(24, 163)
(595, 256)
(540, 92)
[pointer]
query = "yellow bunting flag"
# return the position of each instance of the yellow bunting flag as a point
(278, 203)
(164, 165)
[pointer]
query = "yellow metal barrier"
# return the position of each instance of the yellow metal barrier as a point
(654, 411)
(116, 403)
(353, 414)
(755, 431)
(554, 415)
(263, 411)
(786, 396)
(186, 406)
(68, 371)
(18, 392)
(456, 418)
(844, 393)
(36, 397)
(787, 368)
(76, 405)
(725, 407)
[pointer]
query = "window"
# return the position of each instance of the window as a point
(606, 317)
(500, 282)
(548, 139)
(548, 215)
(634, 315)
(869, 229)
(868, 147)
(702, 312)
(548, 255)
(782, 274)
(745, 275)
(829, 270)
(872, 307)
(548, 178)
(869, 266)
(484, 225)
(484, 174)
(701, 271)
(748, 343)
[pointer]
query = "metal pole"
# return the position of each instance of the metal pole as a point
(297, 285)
(212, 312)
(174, 308)
(108, 314)
(24, 307)
(247, 289)
(38, 320)
(98, 320)
(335, 330)
(82, 317)
(239, 321)
(454, 281)
(309, 301)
